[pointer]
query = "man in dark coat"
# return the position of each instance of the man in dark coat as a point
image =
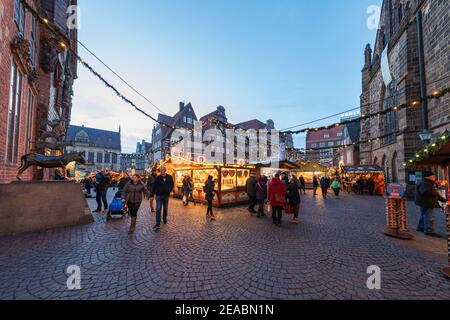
(150, 188)
(250, 189)
(101, 189)
(315, 185)
(427, 198)
(302, 184)
(162, 187)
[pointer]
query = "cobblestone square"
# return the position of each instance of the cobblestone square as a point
(236, 257)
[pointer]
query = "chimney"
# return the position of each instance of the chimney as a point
(181, 106)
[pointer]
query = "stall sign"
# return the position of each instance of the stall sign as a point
(395, 190)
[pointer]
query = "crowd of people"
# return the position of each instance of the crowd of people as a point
(281, 193)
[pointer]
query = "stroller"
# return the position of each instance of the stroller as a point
(117, 208)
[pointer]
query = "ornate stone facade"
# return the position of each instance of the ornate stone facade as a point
(398, 34)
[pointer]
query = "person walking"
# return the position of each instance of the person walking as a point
(336, 186)
(261, 195)
(250, 189)
(360, 183)
(163, 187)
(150, 187)
(302, 185)
(209, 196)
(293, 195)
(325, 185)
(427, 198)
(132, 195)
(101, 189)
(371, 185)
(315, 185)
(277, 199)
(188, 189)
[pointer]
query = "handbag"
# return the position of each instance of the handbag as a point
(184, 199)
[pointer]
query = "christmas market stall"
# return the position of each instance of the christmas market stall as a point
(353, 173)
(308, 169)
(436, 157)
(229, 180)
(269, 171)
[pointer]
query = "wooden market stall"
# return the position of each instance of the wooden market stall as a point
(229, 180)
(351, 173)
(308, 169)
(437, 157)
(269, 171)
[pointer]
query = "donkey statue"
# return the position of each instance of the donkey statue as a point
(36, 159)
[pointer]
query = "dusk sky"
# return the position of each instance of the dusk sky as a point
(292, 61)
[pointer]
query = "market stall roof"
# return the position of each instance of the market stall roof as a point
(361, 168)
(437, 153)
(311, 166)
(285, 164)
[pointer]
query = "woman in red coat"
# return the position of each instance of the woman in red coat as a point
(277, 198)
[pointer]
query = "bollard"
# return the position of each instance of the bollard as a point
(397, 218)
(447, 269)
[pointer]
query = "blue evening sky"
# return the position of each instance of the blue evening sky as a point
(292, 61)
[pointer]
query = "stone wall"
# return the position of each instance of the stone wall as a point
(37, 206)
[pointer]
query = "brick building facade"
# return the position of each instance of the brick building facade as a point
(397, 40)
(36, 78)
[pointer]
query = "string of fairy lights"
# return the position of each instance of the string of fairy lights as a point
(63, 42)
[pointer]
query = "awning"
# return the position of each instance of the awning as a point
(437, 153)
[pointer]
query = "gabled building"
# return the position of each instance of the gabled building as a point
(322, 145)
(162, 134)
(102, 148)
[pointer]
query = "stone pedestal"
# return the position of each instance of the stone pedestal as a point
(39, 205)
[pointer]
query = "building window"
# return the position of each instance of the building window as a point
(114, 158)
(339, 134)
(29, 127)
(15, 96)
(107, 158)
(330, 144)
(91, 157)
(326, 136)
(314, 145)
(99, 157)
(322, 145)
(19, 16)
(33, 33)
(390, 123)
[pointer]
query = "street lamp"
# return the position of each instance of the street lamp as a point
(425, 136)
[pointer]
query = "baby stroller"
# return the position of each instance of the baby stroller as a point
(117, 208)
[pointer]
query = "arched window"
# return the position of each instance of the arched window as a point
(82, 137)
(375, 161)
(385, 167)
(394, 168)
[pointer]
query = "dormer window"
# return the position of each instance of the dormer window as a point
(82, 137)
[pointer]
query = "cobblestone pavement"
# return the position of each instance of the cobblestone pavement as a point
(236, 257)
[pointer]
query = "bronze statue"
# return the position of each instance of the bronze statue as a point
(52, 134)
(36, 159)
(56, 146)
